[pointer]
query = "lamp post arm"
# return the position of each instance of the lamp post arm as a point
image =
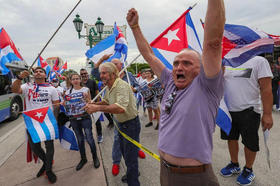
(54, 34)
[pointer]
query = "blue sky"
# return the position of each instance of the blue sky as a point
(30, 23)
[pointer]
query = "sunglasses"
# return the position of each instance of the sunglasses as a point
(84, 74)
(170, 101)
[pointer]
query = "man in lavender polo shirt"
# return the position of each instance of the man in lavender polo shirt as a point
(193, 91)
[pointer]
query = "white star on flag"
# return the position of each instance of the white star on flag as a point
(172, 35)
(39, 114)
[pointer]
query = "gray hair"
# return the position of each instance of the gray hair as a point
(110, 67)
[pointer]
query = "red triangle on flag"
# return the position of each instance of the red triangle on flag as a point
(174, 38)
(227, 46)
(5, 40)
(37, 114)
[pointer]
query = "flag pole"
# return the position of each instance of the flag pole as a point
(119, 73)
(54, 34)
(193, 5)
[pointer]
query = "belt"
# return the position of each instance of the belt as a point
(79, 116)
(185, 169)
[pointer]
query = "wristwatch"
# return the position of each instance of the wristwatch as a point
(17, 76)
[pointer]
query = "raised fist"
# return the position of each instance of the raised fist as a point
(132, 17)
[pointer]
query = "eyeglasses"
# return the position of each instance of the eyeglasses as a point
(84, 74)
(170, 101)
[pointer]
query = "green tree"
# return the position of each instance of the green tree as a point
(140, 66)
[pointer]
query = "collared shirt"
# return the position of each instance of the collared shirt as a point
(122, 95)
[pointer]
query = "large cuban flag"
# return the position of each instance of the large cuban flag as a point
(106, 46)
(241, 43)
(114, 44)
(8, 51)
(179, 35)
(41, 124)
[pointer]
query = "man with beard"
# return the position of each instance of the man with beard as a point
(37, 95)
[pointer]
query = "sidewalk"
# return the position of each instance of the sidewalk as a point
(16, 171)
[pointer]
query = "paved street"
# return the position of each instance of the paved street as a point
(15, 171)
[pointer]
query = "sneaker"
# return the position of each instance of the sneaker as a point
(124, 178)
(149, 124)
(51, 176)
(100, 139)
(141, 154)
(246, 177)
(41, 171)
(229, 170)
(81, 164)
(115, 169)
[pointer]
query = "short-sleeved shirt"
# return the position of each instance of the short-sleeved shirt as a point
(242, 89)
(60, 92)
(122, 95)
(186, 132)
(91, 84)
(75, 101)
(38, 95)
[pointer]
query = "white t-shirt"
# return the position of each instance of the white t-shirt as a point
(242, 89)
(75, 101)
(60, 92)
(64, 86)
(38, 96)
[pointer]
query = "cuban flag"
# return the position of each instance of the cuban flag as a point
(67, 137)
(106, 46)
(223, 118)
(120, 51)
(241, 43)
(8, 51)
(41, 124)
(275, 38)
(56, 65)
(53, 75)
(44, 65)
(179, 35)
(63, 68)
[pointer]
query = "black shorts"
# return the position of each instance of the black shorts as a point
(245, 123)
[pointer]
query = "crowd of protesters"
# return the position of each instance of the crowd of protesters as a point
(175, 98)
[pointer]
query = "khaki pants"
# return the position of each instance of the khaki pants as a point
(168, 178)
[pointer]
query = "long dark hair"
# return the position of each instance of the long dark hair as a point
(70, 77)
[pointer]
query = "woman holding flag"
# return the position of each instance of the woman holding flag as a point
(75, 99)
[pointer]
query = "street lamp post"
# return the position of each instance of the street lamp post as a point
(92, 36)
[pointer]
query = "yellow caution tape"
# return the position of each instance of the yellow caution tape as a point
(137, 144)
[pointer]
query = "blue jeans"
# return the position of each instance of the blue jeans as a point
(116, 149)
(129, 150)
(78, 126)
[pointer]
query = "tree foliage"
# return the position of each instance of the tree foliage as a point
(140, 66)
